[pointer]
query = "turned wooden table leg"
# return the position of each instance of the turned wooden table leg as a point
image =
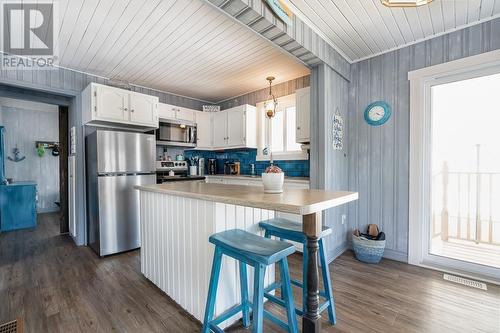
(312, 229)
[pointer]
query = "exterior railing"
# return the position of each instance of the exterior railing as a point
(469, 189)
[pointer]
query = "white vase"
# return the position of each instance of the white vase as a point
(273, 182)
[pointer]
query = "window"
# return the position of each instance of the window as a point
(278, 134)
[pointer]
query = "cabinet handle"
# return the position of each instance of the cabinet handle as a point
(298, 127)
(125, 109)
(131, 110)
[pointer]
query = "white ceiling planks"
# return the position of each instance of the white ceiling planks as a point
(368, 28)
(185, 47)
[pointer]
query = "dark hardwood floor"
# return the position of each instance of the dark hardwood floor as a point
(58, 287)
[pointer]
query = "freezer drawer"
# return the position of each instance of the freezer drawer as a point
(119, 214)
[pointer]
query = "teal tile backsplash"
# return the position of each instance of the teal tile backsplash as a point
(294, 168)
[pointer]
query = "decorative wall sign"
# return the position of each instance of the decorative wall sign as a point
(72, 140)
(211, 108)
(338, 131)
(280, 8)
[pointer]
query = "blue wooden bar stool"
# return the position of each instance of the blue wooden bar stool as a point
(290, 230)
(258, 252)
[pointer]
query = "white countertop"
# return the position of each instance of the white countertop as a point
(295, 201)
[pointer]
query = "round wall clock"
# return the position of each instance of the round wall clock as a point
(377, 113)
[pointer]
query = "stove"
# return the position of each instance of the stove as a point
(180, 169)
(176, 166)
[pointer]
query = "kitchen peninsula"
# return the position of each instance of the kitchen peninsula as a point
(178, 218)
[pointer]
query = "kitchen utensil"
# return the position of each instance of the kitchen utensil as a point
(212, 166)
(201, 166)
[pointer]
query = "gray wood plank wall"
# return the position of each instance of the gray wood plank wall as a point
(329, 168)
(279, 90)
(379, 156)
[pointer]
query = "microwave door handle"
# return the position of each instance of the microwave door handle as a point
(191, 134)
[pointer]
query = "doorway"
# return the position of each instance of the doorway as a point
(465, 176)
(455, 167)
(36, 150)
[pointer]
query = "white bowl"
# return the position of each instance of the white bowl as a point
(273, 182)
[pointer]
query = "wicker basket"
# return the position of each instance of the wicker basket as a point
(367, 250)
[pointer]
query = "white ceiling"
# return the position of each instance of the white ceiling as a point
(185, 47)
(360, 29)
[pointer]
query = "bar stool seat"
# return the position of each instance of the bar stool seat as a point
(252, 247)
(258, 252)
(290, 230)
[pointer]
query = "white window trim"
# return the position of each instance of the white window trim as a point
(288, 101)
(421, 82)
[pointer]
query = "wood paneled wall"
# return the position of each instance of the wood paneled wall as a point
(378, 159)
(282, 89)
(329, 168)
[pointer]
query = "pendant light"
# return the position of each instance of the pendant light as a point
(405, 3)
(271, 102)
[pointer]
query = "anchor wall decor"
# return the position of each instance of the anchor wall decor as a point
(17, 157)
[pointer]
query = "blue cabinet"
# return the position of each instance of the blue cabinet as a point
(2, 155)
(17, 206)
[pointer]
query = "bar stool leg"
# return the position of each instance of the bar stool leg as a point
(212, 290)
(327, 284)
(287, 297)
(267, 234)
(244, 294)
(304, 276)
(258, 298)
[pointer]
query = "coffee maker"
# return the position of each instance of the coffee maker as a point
(212, 166)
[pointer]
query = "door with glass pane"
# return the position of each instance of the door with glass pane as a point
(464, 221)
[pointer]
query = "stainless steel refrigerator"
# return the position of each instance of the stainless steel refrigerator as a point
(116, 162)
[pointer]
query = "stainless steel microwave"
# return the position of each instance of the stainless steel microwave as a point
(176, 133)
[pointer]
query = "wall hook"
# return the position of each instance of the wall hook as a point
(17, 157)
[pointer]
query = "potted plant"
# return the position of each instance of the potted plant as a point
(273, 179)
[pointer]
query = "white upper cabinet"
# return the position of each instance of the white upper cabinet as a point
(204, 130)
(110, 103)
(235, 128)
(186, 114)
(219, 129)
(110, 106)
(143, 109)
(167, 111)
(303, 110)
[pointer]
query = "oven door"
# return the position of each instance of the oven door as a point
(173, 133)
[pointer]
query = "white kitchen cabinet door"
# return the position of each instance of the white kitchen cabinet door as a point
(186, 114)
(166, 111)
(236, 127)
(302, 103)
(111, 104)
(219, 129)
(204, 130)
(143, 109)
